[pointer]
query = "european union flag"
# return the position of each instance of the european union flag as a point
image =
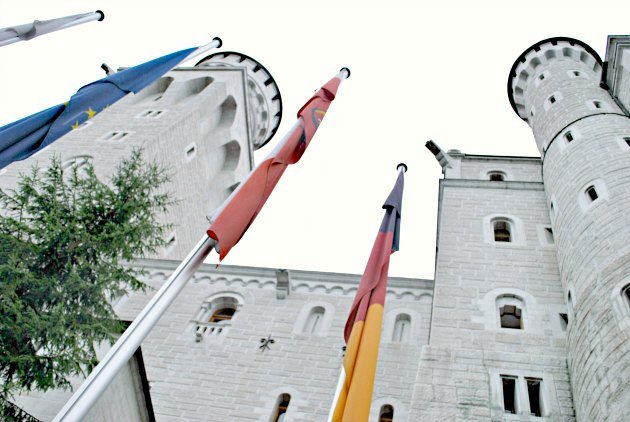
(19, 140)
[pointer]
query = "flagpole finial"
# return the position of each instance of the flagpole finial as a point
(403, 165)
(219, 40)
(347, 72)
(100, 12)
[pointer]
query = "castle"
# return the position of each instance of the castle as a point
(527, 319)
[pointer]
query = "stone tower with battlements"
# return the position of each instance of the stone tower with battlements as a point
(583, 136)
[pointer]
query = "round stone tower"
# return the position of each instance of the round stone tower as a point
(584, 142)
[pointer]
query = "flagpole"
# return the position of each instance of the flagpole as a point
(342, 379)
(215, 43)
(94, 16)
(99, 379)
(402, 168)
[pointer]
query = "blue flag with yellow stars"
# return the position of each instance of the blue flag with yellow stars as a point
(19, 140)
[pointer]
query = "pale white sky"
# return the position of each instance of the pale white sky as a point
(420, 70)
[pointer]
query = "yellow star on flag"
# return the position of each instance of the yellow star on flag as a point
(90, 113)
(75, 125)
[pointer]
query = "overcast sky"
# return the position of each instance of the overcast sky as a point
(420, 70)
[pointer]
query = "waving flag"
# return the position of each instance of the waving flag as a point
(241, 208)
(363, 328)
(19, 140)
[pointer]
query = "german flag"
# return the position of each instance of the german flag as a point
(363, 328)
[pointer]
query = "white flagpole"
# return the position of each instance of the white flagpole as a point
(94, 386)
(342, 380)
(28, 31)
(215, 43)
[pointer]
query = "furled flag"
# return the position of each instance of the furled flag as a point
(232, 220)
(29, 31)
(363, 328)
(19, 140)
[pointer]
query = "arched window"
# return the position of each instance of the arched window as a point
(496, 176)
(502, 230)
(314, 320)
(215, 316)
(511, 311)
(222, 315)
(402, 328)
(281, 407)
(386, 413)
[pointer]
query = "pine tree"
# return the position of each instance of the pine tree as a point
(66, 239)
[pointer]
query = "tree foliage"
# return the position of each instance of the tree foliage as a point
(65, 237)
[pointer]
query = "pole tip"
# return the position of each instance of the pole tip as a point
(403, 165)
(100, 12)
(219, 40)
(345, 69)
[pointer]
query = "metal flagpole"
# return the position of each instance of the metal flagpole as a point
(215, 43)
(90, 391)
(28, 31)
(342, 379)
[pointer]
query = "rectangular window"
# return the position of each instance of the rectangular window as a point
(151, 113)
(115, 136)
(509, 393)
(549, 235)
(534, 391)
(564, 321)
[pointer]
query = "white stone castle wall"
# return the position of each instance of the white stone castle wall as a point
(227, 377)
(459, 377)
(202, 109)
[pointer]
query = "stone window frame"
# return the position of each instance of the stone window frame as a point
(170, 242)
(552, 100)
(511, 299)
(580, 74)
(389, 325)
(190, 152)
(272, 399)
(517, 230)
(541, 77)
(542, 230)
(382, 417)
(204, 329)
(620, 303)
(550, 404)
(276, 415)
(116, 136)
(532, 313)
(587, 203)
(400, 410)
(563, 142)
(597, 104)
(485, 174)
(151, 113)
(324, 325)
